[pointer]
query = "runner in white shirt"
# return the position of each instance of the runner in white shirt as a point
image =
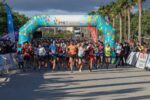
(81, 52)
(41, 55)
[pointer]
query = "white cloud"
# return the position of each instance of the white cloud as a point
(50, 12)
(96, 7)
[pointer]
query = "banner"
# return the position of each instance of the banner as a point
(148, 62)
(141, 63)
(93, 33)
(132, 58)
(10, 23)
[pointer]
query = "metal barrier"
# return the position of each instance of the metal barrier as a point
(7, 61)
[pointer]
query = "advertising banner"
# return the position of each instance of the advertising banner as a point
(141, 63)
(132, 58)
(148, 62)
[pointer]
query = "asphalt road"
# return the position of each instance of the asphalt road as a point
(111, 84)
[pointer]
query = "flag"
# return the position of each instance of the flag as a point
(10, 23)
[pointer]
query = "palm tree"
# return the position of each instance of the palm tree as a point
(113, 13)
(92, 13)
(139, 2)
(101, 11)
(125, 4)
(124, 7)
(120, 9)
(129, 7)
(107, 11)
(120, 17)
(140, 20)
(125, 24)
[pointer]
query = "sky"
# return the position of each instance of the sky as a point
(58, 7)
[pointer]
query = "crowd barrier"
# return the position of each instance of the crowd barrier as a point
(8, 61)
(140, 60)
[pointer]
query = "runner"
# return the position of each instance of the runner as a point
(41, 56)
(107, 55)
(97, 56)
(30, 48)
(64, 55)
(53, 54)
(35, 63)
(101, 54)
(26, 53)
(81, 52)
(90, 50)
(72, 55)
(59, 55)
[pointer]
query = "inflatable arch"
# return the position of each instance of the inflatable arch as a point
(25, 32)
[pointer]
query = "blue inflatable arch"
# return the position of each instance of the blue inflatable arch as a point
(25, 32)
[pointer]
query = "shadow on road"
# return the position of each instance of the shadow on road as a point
(33, 86)
(135, 98)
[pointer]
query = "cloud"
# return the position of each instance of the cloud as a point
(67, 5)
(50, 12)
(35, 7)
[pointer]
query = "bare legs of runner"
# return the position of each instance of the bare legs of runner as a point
(80, 63)
(71, 62)
(90, 64)
(54, 65)
(107, 62)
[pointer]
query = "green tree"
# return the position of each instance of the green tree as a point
(92, 13)
(3, 19)
(119, 14)
(18, 19)
(146, 22)
(101, 11)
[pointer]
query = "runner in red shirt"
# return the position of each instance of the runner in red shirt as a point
(90, 49)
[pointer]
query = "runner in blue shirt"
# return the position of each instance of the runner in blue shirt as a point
(53, 53)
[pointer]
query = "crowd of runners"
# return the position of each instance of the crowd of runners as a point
(72, 54)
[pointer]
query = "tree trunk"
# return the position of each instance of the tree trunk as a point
(129, 24)
(113, 22)
(140, 20)
(125, 25)
(120, 28)
(55, 30)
